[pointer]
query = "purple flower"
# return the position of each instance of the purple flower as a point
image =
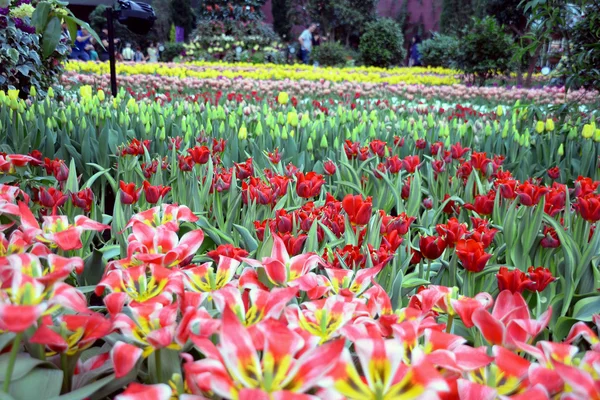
(4, 11)
(20, 24)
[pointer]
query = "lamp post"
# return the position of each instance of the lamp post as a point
(137, 17)
(111, 50)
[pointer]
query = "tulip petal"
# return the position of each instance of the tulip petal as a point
(124, 357)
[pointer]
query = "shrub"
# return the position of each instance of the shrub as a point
(29, 59)
(486, 50)
(440, 51)
(382, 43)
(330, 54)
(171, 51)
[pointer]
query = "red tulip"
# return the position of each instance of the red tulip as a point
(83, 199)
(393, 164)
(51, 198)
(155, 193)
(309, 185)
(484, 204)
(358, 210)
(452, 231)
(329, 167)
(186, 164)
(351, 149)
(420, 144)
(550, 240)
(227, 250)
(516, 281)
(411, 163)
(428, 203)
(540, 278)
(275, 157)
(507, 187)
(451, 206)
(435, 148)
(378, 147)
(200, 154)
(554, 173)
(555, 199)
(244, 170)
(530, 194)
(259, 227)
(472, 255)
(129, 193)
(588, 207)
(431, 247)
(458, 151)
(480, 162)
(398, 141)
(584, 186)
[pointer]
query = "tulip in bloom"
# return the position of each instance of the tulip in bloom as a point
(472, 255)
(358, 210)
(540, 278)
(329, 167)
(155, 193)
(515, 281)
(237, 369)
(137, 391)
(280, 268)
(129, 193)
(83, 199)
(431, 247)
(588, 207)
(309, 185)
(384, 373)
(510, 322)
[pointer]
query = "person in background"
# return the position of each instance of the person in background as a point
(152, 53)
(93, 54)
(415, 54)
(138, 55)
(305, 40)
(128, 52)
(82, 46)
(104, 56)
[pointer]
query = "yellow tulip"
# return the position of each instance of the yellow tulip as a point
(561, 150)
(588, 131)
(549, 125)
(13, 94)
(283, 98)
(540, 126)
(243, 133)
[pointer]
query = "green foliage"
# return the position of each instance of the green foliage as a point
(282, 24)
(455, 15)
(486, 50)
(182, 15)
(342, 18)
(171, 51)
(219, 40)
(382, 43)
(231, 10)
(33, 48)
(330, 54)
(440, 51)
(585, 52)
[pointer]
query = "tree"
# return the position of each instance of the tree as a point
(233, 10)
(455, 15)
(182, 15)
(382, 43)
(281, 17)
(486, 50)
(342, 18)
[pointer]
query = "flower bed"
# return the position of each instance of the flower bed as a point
(275, 245)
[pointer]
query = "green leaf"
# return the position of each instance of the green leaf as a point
(586, 308)
(71, 185)
(249, 241)
(51, 36)
(23, 365)
(36, 382)
(562, 328)
(86, 391)
(40, 16)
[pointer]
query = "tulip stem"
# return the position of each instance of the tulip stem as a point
(11, 362)
(449, 323)
(158, 366)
